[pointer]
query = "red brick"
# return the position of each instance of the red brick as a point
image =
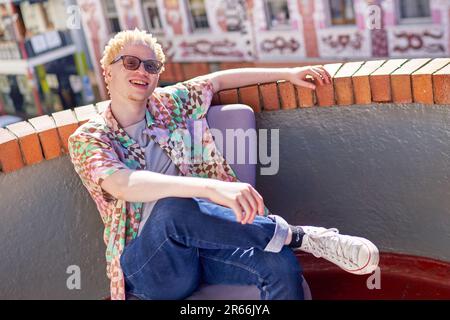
(168, 74)
(195, 69)
(10, 155)
(441, 89)
(229, 96)
(325, 93)
(29, 142)
(269, 93)
(235, 65)
(401, 80)
(178, 72)
(48, 136)
(215, 100)
(343, 83)
(67, 123)
(380, 80)
(422, 81)
(250, 97)
(287, 95)
(361, 83)
(85, 113)
(305, 96)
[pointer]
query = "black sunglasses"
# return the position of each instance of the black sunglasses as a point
(133, 63)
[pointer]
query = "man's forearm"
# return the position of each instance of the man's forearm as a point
(146, 186)
(235, 78)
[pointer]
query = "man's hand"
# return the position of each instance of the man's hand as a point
(298, 76)
(242, 198)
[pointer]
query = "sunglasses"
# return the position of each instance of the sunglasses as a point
(133, 63)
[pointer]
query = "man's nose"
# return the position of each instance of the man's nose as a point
(141, 69)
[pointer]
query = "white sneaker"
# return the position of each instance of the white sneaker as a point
(352, 254)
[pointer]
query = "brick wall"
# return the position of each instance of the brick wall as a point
(424, 81)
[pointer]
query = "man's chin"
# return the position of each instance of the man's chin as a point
(138, 97)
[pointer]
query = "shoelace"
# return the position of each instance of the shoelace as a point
(328, 241)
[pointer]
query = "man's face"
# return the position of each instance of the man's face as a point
(129, 83)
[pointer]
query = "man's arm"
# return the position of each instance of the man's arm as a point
(146, 186)
(234, 78)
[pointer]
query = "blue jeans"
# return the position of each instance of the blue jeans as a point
(189, 241)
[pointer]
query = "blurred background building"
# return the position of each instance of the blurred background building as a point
(50, 49)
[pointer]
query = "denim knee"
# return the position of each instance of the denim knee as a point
(172, 208)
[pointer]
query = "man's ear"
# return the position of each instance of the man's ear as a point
(107, 74)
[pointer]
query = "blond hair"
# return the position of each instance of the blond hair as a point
(125, 37)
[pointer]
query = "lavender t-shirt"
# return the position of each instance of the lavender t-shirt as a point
(156, 160)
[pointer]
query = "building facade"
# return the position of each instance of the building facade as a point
(201, 36)
(43, 63)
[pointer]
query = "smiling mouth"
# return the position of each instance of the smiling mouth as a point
(139, 83)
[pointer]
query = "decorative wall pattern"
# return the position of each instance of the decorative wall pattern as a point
(241, 30)
(209, 47)
(417, 41)
(344, 42)
(277, 45)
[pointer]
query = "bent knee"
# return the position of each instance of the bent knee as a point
(169, 209)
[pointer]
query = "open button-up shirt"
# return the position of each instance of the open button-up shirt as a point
(101, 147)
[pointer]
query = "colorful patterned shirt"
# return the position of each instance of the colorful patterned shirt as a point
(101, 147)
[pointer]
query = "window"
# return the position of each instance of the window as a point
(414, 10)
(277, 13)
(152, 18)
(342, 12)
(199, 19)
(111, 16)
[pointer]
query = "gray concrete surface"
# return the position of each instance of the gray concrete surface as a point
(377, 171)
(382, 172)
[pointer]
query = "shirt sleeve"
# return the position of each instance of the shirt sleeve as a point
(195, 97)
(94, 160)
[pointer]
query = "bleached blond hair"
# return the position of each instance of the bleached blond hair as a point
(126, 37)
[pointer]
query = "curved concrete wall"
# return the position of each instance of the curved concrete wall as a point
(48, 222)
(378, 171)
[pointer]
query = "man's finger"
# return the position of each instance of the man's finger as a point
(316, 75)
(237, 211)
(259, 200)
(324, 74)
(247, 208)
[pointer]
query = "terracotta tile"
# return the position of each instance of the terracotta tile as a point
(305, 96)
(10, 154)
(178, 72)
(229, 96)
(325, 94)
(269, 93)
(380, 80)
(48, 136)
(250, 97)
(401, 80)
(361, 83)
(422, 80)
(215, 100)
(343, 85)
(287, 95)
(66, 123)
(28, 141)
(194, 69)
(441, 89)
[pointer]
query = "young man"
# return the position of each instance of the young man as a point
(171, 222)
